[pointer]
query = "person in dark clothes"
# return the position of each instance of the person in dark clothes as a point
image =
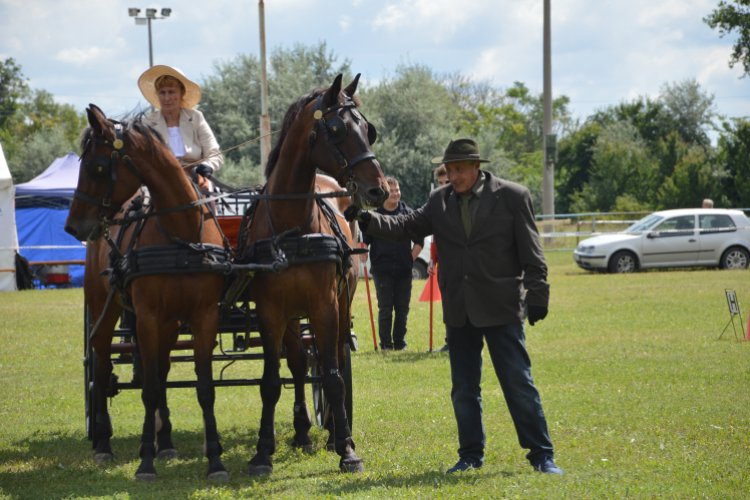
(391, 264)
(492, 270)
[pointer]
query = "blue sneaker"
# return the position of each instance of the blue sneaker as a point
(546, 464)
(463, 465)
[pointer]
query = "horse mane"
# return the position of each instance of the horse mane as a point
(291, 114)
(150, 137)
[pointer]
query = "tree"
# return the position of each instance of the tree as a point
(575, 159)
(415, 117)
(621, 166)
(37, 152)
(734, 157)
(231, 99)
(690, 109)
(728, 18)
(13, 86)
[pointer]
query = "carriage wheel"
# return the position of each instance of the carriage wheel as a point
(320, 405)
(89, 371)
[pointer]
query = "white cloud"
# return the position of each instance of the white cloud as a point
(80, 57)
(442, 18)
(345, 22)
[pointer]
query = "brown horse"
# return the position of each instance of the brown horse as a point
(160, 302)
(296, 355)
(322, 130)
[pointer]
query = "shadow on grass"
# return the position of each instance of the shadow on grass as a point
(405, 356)
(57, 466)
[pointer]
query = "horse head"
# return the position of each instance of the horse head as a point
(339, 130)
(102, 186)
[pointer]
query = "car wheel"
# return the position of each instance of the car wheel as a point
(419, 270)
(735, 258)
(623, 262)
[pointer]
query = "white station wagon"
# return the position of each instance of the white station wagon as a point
(671, 238)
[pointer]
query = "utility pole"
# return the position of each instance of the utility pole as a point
(265, 120)
(548, 175)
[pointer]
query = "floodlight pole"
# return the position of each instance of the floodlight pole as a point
(548, 173)
(150, 46)
(150, 15)
(265, 119)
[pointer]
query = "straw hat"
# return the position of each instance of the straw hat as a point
(146, 83)
(460, 150)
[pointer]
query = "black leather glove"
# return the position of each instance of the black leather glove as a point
(354, 213)
(204, 170)
(536, 313)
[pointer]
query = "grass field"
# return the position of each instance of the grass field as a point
(642, 400)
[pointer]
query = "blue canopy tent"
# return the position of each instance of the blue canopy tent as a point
(42, 205)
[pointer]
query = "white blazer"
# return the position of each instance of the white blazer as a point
(196, 134)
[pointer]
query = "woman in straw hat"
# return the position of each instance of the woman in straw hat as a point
(190, 137)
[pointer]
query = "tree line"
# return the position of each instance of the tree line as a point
(643, 154)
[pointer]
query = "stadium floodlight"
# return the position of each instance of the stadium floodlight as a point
(150, 14)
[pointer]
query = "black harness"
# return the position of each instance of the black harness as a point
(334, 131)
(100, 169)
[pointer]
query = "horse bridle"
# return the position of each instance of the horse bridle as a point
(101, 170)
(334, 131)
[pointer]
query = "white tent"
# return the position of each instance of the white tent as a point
(8, 237)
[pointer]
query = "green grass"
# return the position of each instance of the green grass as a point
(642, 400)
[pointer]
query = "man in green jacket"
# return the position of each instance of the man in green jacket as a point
(492, 270)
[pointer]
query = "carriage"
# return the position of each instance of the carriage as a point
(166, 271)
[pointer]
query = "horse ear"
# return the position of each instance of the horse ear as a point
(332, 94)
(352, 87)
(97, 119)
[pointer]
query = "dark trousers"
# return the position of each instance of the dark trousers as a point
(507, 348)
(394, 295)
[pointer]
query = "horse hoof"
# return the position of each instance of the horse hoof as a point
(352, 465)
(167, 455)
(259, 470)
(146, 477)
(220, 475)
(103, 458)
(330, 446)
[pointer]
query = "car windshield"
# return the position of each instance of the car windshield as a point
(644, 223)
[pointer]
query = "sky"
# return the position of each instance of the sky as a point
(603, 51)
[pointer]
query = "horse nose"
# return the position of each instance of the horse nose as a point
(377, 193)
(71, 231)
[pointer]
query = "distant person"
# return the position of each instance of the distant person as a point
(391, 266)
(492, 267)
(441, 175)
(708, 203)
(184, 129)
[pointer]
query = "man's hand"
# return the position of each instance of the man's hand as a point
(536, 313)
(431, 269)
(204, 170)
(354, 213)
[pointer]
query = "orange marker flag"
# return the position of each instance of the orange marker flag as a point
(431, 282)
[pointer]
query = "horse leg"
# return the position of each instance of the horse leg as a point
(204, 326)
(270, 390)
(297, 362)
(164, 446)
(148, 342)
(101, 344)
(325, 324)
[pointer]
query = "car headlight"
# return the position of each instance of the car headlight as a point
(586, 248)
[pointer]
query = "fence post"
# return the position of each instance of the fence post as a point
(578, 230)
(593, 223)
